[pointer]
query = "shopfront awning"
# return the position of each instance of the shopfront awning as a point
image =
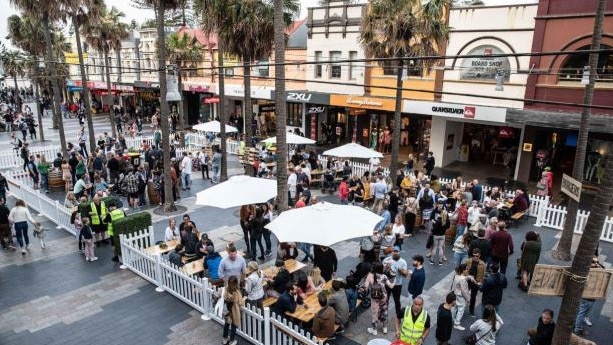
(562, 120)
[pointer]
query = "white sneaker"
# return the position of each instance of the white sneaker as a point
(86, 259)
(459, 327)
(94, 258)
(587, 321)
(233, 342)
(28, 247)
(224, 341)
(42, 244)
(23, 251)
(372, 331)
(384, 330)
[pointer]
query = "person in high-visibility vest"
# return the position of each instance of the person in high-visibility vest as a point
(415, 325)
(114, 214)
(97, 215)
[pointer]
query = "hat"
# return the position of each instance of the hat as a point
(252, 266)
(173, 159)
(396, 248)
(209, 249)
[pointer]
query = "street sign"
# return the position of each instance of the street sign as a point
(550, 280)
(571, 187)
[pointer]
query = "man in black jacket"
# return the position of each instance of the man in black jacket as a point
(288, 301)
(492, 287)
(6, 237)
(543, 334)
(325, 259)
(484, 245)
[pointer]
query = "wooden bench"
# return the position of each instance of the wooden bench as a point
(517, 217)
(323, 340)
(269, 301)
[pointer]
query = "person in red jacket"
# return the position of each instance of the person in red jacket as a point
(343, 191)
(502, 247)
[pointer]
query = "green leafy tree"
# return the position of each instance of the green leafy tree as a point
(399, 30)
(14, 67)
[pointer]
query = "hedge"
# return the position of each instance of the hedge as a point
(130, 224)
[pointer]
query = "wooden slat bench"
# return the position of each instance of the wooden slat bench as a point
(517, 217)
(269, 301)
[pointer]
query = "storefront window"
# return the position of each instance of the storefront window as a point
(335, 68)
(572, 68)
(485, 66)
(294, 114)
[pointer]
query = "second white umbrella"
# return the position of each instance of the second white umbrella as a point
(291, 138)
(324, 224)
(237, 191)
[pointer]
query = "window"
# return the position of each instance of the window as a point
(414, 68)
(353, 70)
(572, 68)
(263, 68)
(318, 66)
(229, 72)
(389, 67)
(335, 68)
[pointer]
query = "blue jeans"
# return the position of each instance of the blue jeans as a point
(21, 230)
(44, 181)
(585, 307)
(306, 248)
(459, 258)
(266, 235)
(216, 173)
(187, 180)
(459, 230)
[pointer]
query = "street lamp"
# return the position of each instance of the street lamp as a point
(499, 80)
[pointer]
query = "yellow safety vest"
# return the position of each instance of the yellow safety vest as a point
(241, 147)
(98, 218)
(115, 214)
(411, 331)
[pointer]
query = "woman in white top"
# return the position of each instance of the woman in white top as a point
(462, 293)
(172, 232)
(487, 327)
(254, 285)
(398, 230)
(19, 216)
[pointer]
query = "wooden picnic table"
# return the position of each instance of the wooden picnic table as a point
(310, 307)
(193, 267)
(291, 266)
(156, 250)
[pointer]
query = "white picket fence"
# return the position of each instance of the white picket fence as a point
(259, 327)
(10, 158)
(554, 217)
(52, 209)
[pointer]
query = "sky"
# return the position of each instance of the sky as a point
(141, 15)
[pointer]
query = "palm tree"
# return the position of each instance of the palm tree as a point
(562, 251)
(47, 12)
(28, 35)
(181, 49)
(105, 35)
(14, 66)
(80, 12)
(398, 30)
(251, 37)
(160, 7)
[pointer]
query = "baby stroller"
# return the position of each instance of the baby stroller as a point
(328, 184)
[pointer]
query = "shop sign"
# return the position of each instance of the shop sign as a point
(485, 66)
(376, 103)
(316, 109)
(149, 95)
(198, 88)
(571, 187)
(306, 97)
(210, 100)
(266, 108)
(459, 111)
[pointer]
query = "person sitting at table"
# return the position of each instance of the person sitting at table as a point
(81, 188)
(279, 283)
(323, 322)
(338, 301)
(189, 240)
(288, 300)
(287, 251)
(520, 203)
(171, 232)
(186, 220)
(71, 201)
(211, 263)
(100, 184)
(304, 288)
(204, 243)
(176, 255)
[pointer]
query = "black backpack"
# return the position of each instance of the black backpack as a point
(377, 289)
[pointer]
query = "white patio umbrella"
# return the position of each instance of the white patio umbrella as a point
(352, 150)
(324, 224)
(237, 191)
(213, 126)
(291, 139)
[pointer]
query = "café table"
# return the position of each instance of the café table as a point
(291, 266)
(156, 250)
(193, 267)
(306, 312)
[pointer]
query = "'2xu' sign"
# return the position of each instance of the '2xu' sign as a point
(299, 96)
